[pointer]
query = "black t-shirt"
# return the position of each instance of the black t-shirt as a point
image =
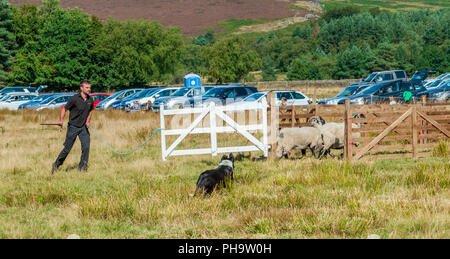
(79, 109)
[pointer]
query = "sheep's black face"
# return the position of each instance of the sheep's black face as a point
(322, 121)
(317, 121)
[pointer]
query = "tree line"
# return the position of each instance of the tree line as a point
(60, 47)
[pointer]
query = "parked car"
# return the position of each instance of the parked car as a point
(374, 78)
(382, 92)
(222, 95)
(179, 98)
(98, 97)
(12, 101)
(116, 104)
(436, 83)
(135, 96)
(441, 77)
(420, 76)
(106, 104)
(53, 102)
(142, 102)
(22, 89)
(292, 98)
(344, 94)
(441, 93)
(382, 76)
(18, 89)
(35, 100)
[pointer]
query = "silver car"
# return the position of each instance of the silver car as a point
(179, 98)
(13, 101)
(105, 104)
(53, 102)
(292, 98)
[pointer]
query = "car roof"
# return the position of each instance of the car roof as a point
(389, 71)
(99, 94)
(14, 94)
(64, 94)
(164, 88)
(381, 84)
(19, 87)
(232, 87)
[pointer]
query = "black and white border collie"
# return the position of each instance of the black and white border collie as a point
(210, 179)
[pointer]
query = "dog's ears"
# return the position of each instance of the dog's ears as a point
(224, 157)
(231, 157)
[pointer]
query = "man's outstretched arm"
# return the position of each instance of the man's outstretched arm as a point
(61, 117)
(88, 120)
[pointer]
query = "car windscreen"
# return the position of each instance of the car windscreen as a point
(49, 99)
(4, 98)
(420, 76)
(347, 92)
(40, 98)
(253, 97)
(11, 90)
(443, 76)
(370, 77)
(127, 94)
(444, 85)
(139, 94)
(215, 92)
(435, 83)
(113, 96)
(181, 92)
(370, 89)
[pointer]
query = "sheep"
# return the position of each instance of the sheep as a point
(299, 139)
(334, 139)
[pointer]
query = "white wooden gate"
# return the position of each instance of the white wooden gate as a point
(213, 129)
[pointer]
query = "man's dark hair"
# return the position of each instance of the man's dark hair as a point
(84, 82)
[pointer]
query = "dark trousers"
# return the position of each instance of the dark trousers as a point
(72, 133)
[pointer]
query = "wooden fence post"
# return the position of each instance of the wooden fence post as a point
(414, 130)
(315, 95)
(292, 116)
(315, 101)
(274, 122)
(348, 132)
(424, 102)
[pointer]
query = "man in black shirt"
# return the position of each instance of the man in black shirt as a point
(81, 107)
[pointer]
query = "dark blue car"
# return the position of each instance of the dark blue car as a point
(386, 92)
(344, 94)
(441, 93)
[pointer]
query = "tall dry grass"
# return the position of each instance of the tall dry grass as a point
(139, 196)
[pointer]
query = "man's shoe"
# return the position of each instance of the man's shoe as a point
(83, 168)
(54, 168)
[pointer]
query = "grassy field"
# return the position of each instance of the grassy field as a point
(140, 196)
